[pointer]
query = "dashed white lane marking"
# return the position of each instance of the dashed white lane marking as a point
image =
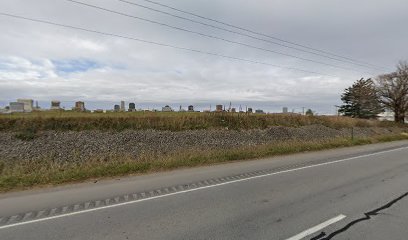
(196, 189)
(317, 228)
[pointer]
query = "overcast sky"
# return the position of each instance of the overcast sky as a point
(46, 62)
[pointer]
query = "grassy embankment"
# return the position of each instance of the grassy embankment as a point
(63, 121)
(26, 174)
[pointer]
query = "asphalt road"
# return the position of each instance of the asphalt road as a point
(353, 193)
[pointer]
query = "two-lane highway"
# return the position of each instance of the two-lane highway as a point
(353, 193)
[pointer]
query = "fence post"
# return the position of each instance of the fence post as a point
(352, 133)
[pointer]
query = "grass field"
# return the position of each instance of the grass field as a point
(19, 175)
(175, 121)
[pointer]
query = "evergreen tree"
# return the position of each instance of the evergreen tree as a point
(361, 100)
(309, 112)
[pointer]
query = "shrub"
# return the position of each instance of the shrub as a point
(2, 166)
(27, 134)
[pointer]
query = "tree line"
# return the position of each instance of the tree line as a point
(367, 98)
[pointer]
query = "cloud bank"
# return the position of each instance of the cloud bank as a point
(47, 62)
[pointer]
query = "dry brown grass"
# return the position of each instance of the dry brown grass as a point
(63, 121)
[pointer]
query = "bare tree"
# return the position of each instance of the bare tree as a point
(393, 91)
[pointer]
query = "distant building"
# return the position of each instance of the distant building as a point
(218, 108)
(28, 104)
(181, 109)
(388, 115)
(285, 110)
(116, 108)
(122, 106)
(79, 106)
(191, 108)
(260, 111)
(98, 111)
(37, 107)
(16, 107)
(233, 110)
(167, 108)
(249, 110)
(55, 105)
(132, 107)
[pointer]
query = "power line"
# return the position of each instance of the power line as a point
(259, 33)
(158, 43)
(244, 34)
(211, 36)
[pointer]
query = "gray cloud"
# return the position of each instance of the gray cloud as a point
(110, 69)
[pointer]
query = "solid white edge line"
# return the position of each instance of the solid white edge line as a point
(317, 227)
(196, 189)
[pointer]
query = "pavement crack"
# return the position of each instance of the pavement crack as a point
(367, 216)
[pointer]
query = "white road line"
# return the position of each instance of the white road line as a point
(196, 189)
(317, 228)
